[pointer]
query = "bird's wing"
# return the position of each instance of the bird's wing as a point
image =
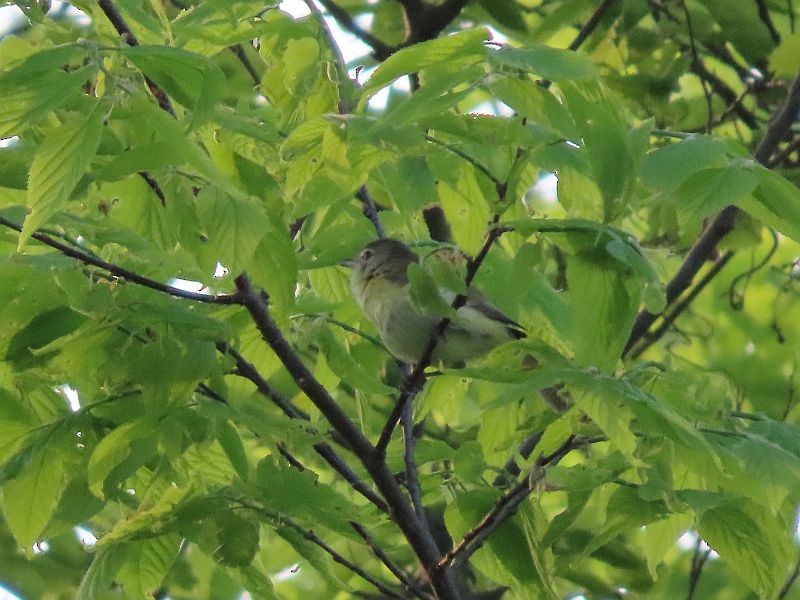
(477, 301)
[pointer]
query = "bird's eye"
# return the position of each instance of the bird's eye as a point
(366, 254)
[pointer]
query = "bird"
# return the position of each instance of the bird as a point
(380, 285)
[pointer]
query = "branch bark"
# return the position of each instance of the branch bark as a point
(89, 259)
(723, 222)
(418, 536)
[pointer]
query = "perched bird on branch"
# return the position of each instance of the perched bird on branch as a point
(380, 284)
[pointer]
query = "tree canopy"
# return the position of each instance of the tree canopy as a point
(193, 406)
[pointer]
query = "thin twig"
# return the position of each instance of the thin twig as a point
(591, 24)
(153, 185)
(380, 50)
(239, 52)
(118, 271)
(386, 560)
(248, 371)
(210, 393)
(370, 210)
(699, 67)
(699, 558)
(763, 14)
(412, 477)
(113, 15)
(308, 534)
(505, 507)
(471, 160)
(679, 308)
(412, 384)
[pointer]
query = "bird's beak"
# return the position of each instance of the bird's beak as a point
(349, 263)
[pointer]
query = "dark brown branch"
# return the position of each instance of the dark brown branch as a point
(505, 507)
(248, 371)
(426, 22)
(681, 306)
(113, 15)
(153, 185)
(723, 222)
(419, 538)
(413, 382)
(591, 24)
(763, 14)
(789, 582)
(239, 52)
(412, 478)
(725, 92)
(370, 210)
(380, 50)
(699, 558)
(386, 560)
(699, 68)
(118, 271)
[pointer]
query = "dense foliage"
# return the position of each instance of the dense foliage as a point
(166, 429)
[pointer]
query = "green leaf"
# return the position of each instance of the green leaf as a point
(506, 557)
(551, 63)
(274, 266)
(535, 103)
(669, 166)
(710, 190)
(192, 79)
(425, 293)
(347, 368)
(237, 539)
(23, 103)
(660, 537)
(757, 548)
(60, 162)
(100, 575)
(775, 202)
(300, 494)
(147, 563)
(785, 59)
(30, 499)
(115, 447)
(466, 44)
(605, 300)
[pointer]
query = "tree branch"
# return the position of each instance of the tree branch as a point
(380, 50)
(386, 560)
(312, 537)
(248, 371)
(723, 222)
(118, 271)
(370, 210)
(113, 15)
(763, 14)
(591, 24)
(427, 22)
(418, 536)
(681, 306)
(505, 507)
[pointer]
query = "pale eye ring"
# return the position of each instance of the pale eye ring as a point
(366, 254)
